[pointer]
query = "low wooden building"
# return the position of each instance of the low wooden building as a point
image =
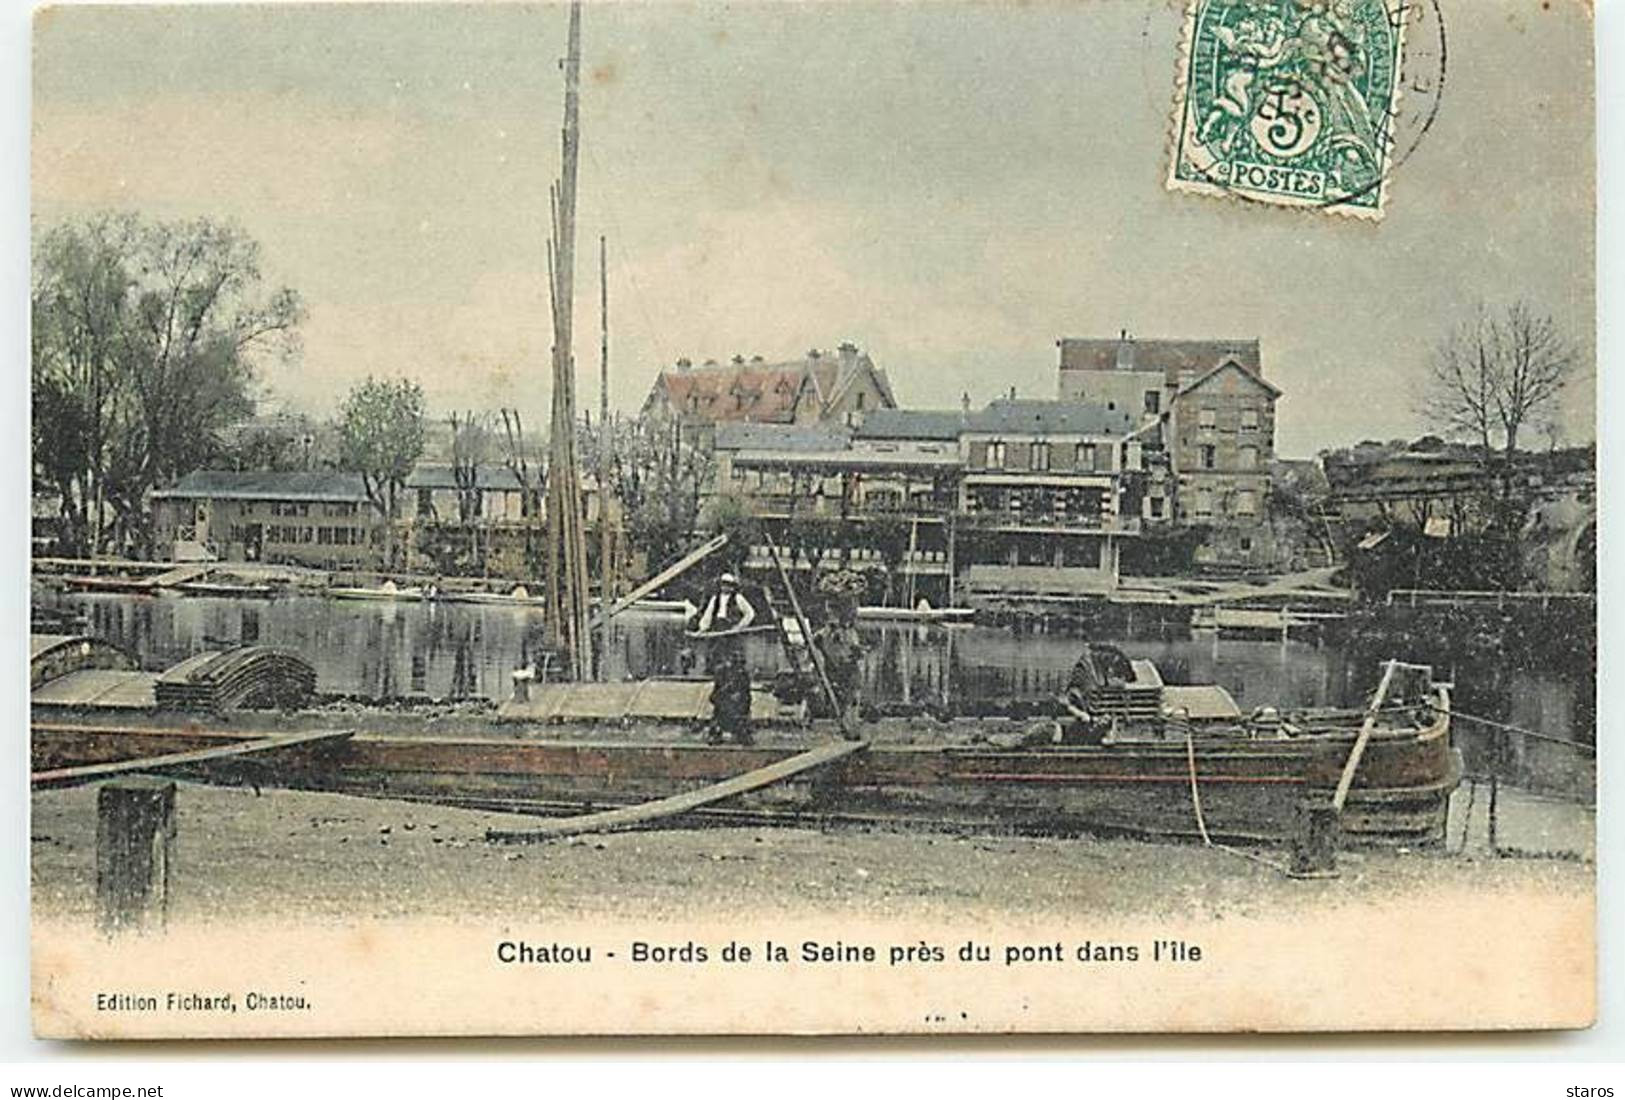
(317, 518)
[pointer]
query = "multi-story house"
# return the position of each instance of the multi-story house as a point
(1020, 499)
(1049, 491)
(1208, 428)
(1221, 444)
(839, 388)
(834, 498)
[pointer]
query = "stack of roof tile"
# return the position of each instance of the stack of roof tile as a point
(245, 678)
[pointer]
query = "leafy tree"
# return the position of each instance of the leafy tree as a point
(381, 438)
(731, 515)
(145, 340)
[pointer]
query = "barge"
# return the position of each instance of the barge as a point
(1144, 758)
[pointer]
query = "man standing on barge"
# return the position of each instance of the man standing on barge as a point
(722, 623)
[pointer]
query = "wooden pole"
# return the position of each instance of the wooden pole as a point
(135, 831)
(806, 632)
(1346, 780)
(606, 561)
(664, 577)
(913, 548)
(567, 599)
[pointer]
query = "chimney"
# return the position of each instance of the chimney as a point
(849, 353)
(1012, 393)
(756, 359)
(814, 353)
(738, 359)
(1125, 351)
(684, 363)
(964, 401)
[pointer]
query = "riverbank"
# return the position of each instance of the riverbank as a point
(324, 858)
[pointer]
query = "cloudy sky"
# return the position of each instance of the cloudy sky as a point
(951, 186)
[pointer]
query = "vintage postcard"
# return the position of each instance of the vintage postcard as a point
(655, 518)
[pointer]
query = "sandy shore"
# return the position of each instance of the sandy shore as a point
(334, 858)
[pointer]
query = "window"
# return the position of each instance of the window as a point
(1207, 418)
(860, 400)
(1156, 507)
(1249, 458)
(1246, 503)
(1086, 456)
(1210, 455)
(1246, 546)
(1038, 457)
(1204, 503)
(995, 455)
(1249, 420)
(1153, 402)
(425, 502)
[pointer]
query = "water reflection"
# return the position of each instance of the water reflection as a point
(454, 651)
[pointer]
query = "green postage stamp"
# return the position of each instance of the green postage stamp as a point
(1290, 102)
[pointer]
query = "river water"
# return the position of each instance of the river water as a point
(383, 650)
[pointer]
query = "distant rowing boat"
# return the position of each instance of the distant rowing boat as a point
(519, 597)
(388, 591)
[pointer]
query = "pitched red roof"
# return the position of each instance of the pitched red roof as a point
(1172, 358)
(757, 392)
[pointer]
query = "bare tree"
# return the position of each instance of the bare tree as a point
(1498, 374)
(470, 449)
(659, 470)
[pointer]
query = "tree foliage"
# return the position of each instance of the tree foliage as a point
(381, 438)
(146, 335)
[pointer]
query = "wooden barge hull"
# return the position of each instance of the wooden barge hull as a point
(1248, 790)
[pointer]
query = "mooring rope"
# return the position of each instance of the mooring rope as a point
(1536, 734)
(1201, 823)
(1467, 818)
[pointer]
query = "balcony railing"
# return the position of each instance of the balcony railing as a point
(1089, 521)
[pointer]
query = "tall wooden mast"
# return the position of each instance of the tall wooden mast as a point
(567, 610)
(606, 559)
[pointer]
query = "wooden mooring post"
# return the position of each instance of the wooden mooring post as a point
(135, 832)
(1314, 849)
(1314, 844)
